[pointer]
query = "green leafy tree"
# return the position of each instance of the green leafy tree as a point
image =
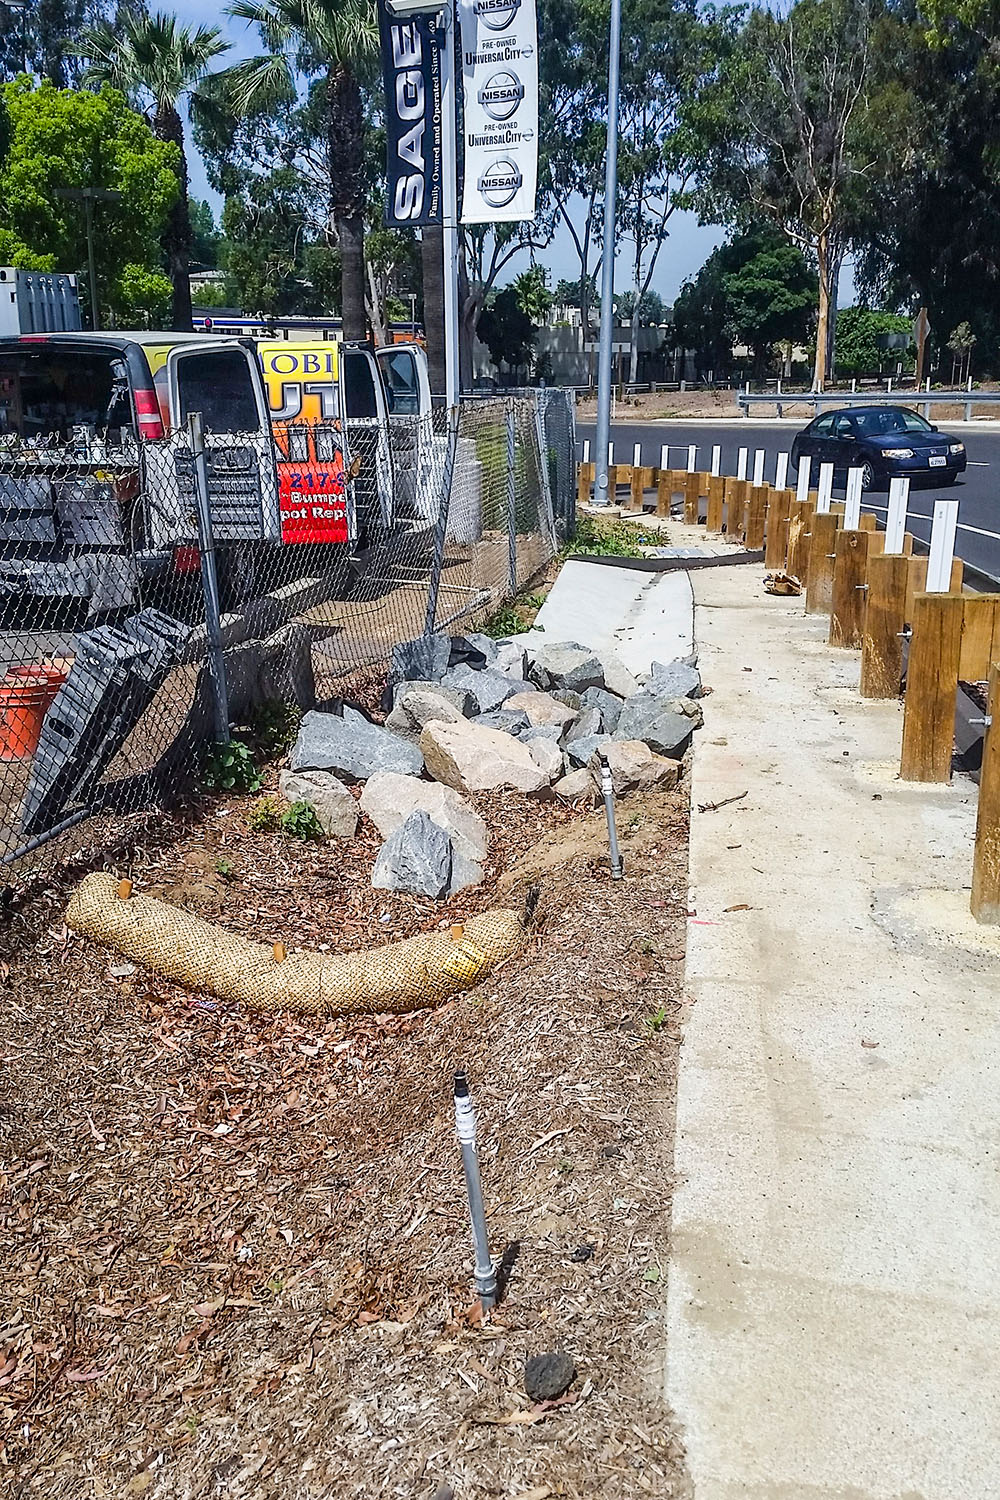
(507, 330)
(533, 294)
(141, 297)
(154, 59)
(652, 308)
(205, 234)
(39, 35)
(336, 42)
(69, 138)
(859, 331)
(258, 251)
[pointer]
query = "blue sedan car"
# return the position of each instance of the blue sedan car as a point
(885, 442)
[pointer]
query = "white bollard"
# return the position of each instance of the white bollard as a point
(611, 454)
(824, 489)
(781, 472)
(586, 450)
(854, 386)
(665, 456)
(758, 466)
(852, 507)
(895, 521)
(942, 546)
(888, 385)
(692, 458)
(637, 455)
(802, 481)
(716, 462)
(741, 463)
(927, 383)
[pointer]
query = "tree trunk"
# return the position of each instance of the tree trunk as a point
(345, 120)
(376, 307)
(823, 311)
(432, 265)
(176, 239)
(836, 261)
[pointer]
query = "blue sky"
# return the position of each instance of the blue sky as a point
(685, 251)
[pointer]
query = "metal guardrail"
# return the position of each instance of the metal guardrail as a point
(820, 399)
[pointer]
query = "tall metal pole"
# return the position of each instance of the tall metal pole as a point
(449, 203)
(95, 313)
(608, 264)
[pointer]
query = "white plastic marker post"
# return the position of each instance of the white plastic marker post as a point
(852, 507)
(758, 466)
(942, 546)
(716, 462)
(611, 454)
(825, 489)
(802, 481)
(665, 456)
(895, 521)
(586, 450)
(637, 455)
(781, 471)
(692, 458)
(741, 463)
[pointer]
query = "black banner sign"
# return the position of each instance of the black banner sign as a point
(411, 71)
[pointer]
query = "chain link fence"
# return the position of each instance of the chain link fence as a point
(151, 592)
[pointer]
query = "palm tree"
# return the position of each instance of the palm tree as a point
(337, 39)
(151, 58)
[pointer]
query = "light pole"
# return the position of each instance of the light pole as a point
(601, 496)
(88, 196)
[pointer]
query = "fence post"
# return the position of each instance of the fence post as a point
(885, 617)
(692, 497)
(799, 538)
(549, 521)
(441, 525)
(985, 902)
(850, 586)
(755, 516)
(776, 545)
(931, 687)
(215, 654)
(511, 504)
(822, 554)
(716, 498)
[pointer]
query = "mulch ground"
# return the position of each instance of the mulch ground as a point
(237, 1259)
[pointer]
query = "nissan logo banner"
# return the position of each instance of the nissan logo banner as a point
(500, 79)
(411, 70)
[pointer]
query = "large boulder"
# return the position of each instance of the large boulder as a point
(674, 679)
(352, 747)
(664, 724)
(587, 723)
(542, 708)
(416, 858)
(565, 665)
(472, 759)
(476, 650)
(389, 799)
(416, 707)
(617, 677)
(579, 752)
(425, 659)
(511, 721)
(608, 705)
(510, 659)
(634, 767)
(547, 755)
(336, 810)
(458, 697)
(576, 784)
(488, 689)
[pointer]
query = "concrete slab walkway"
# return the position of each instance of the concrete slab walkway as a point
(834, 1295)
(643, 617)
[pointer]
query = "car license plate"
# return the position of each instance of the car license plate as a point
(937, 461)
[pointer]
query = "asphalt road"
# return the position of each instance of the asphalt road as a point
(977, 491)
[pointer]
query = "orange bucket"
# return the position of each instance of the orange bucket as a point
(25, 696)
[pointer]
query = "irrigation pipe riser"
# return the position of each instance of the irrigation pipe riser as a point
(608, 793)
(465, 1129)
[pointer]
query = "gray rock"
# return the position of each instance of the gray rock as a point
(579, 753)
(458, 697)
(664, 724)
(634, 767)
(575, 785)
(335, 808)
(485, 645)
(608, 705)
(510, 720)
(542, 708)
(547, 1376)
(464, 872)
(547, 756)
(564, 665)
(469, 758)
(588, 723)
(511, 659)
(488, 689)
(426, 658)
(416, 858)
(541, 732)
(675, 679)
(389, 799)
(571, 699)
(416, 707)
(617, 677)
(352, 747)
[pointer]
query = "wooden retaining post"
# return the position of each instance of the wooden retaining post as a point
(664, 491)
(585, 477)
(737, 491)
(637, 489)
(692, 495)
(753, 535)
(778, 513)
(885, 618)
(716, 500)
(980, 637)
(985, 902)
(850, 584)
(799, 536)
(822, 554)
(931, 687)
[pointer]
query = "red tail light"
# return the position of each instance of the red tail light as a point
(186, 559)
(147, 409)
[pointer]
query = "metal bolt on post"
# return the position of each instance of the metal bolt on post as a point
(608, 793)
(465, 1129)
(209, 580)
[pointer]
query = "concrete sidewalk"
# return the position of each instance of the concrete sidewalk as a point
(834, 1301)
